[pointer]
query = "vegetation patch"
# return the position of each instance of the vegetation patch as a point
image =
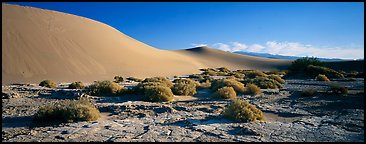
(134, 79)
(242, 111)
(104, 88)
(162, 80)
(77, 85)
(313, 71)
(263, 82)
(254, 73)
(252, 89)
(158, 94)
(302, 63)
(185, 87)
(321, 77)
(338, 89)
(225, 93)
(67, 111)
(118, 79)
(277, 78)
(205, 85)
(238, 86)
(48, 83)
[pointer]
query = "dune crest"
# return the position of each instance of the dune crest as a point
(42, 44)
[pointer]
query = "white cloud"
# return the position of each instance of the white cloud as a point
(291, 49)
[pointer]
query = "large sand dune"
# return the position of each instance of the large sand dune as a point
(42, 44)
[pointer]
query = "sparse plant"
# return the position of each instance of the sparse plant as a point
(185, 87)
(104, 88)
(77, 85)
(176, 76)
(252, 89)
(338, 89)
(242, 111)
(134, 79)
(308, 92)
(224, 69)
(158, 94)
(118, 79)
(263, 82)
(277, 78)
(225, 93)
(48, 83)
(238, 86)
(315, 70)
(162, 80)
(67, 111)
(205, 85)
(321, 77)
(254, 73)
(209, 72)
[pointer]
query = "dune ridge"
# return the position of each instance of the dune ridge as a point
(40, 44)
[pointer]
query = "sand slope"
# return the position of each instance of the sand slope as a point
(42, 44)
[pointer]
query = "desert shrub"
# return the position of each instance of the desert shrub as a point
(185, 87)
(77, 85)
(118, 79)
(158, 94)
(277, 78)
(176, 76)
(252, 89)
(254, 73)
(302, 63)
(48, 83)
(338, 89)
(263, 82)
(134, 79)
(67, 111)
(313, 71)
(222, 73)
(209, 72)
(277, 72)
(194, 76)
(237, 75)
(238, 86)
(224, 69)
(205, 78)
(242, 111)
(162, 80)
(225, 93)
(308, 92)
(321, 77)
(103, 88)
(205, 85)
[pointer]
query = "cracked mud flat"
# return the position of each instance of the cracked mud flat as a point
(289, 117)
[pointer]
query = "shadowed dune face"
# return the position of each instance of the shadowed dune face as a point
(41, 44)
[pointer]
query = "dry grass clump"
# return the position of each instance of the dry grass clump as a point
(277, 72)
(242, 111)
(48, 83)
(321, 77)
(338, 89)
(77, 85)
(308, 92)
(67, 111)
(225, 93)
(134, 79)
(315, 70)
(205, 85)
(104, 88)
(224, 69)
(185, 87)
(162, 80)
(157, 94)
(252, 89)
(238, 86)
(263, 82)
(118, 79)
(210, 72)
(254, 73)
(277, 78)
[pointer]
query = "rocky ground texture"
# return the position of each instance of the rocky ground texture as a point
(289, 117)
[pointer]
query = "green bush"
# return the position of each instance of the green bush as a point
(254, 73)
(185, 87)
(321, 77)
(238, 86)
(313, 71)
(301, 64)
(263, 82)
(225, 93)
(308, 92)
(242, 111)
(338, 89)
(67, 111)
(158, 94)
(48, 83)
(134, 79)
(77, 85)
(277, 78)
(104, 88)
(252, 89)
(118, 79)
(162, 80)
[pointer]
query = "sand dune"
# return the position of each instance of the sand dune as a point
(42, 44)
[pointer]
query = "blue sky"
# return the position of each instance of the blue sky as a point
(332, 30)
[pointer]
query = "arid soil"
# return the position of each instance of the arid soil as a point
(289, 116)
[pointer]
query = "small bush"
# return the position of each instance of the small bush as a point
(104, 88)
(176, 76)
(48, 83)
(252, 89)
(209, 72)
(118, 79)
(185, 87)
(242, 111)
(338, 89)
(313, 71)
(254, 73)
(224, 69)
(263, 82)
(277, 78)
(158, 94)
(308, 92)
(77, 85)
(277, 72)
(225, 93)
(238, 86)
(162, 80)
(321, 77)
(67, 111)
(237, 75)
(205, 85)
(301, 64)
(134, 79)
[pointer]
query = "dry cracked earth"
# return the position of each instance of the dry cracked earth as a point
(289, 117)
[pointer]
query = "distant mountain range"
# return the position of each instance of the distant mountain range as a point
(267, 55)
